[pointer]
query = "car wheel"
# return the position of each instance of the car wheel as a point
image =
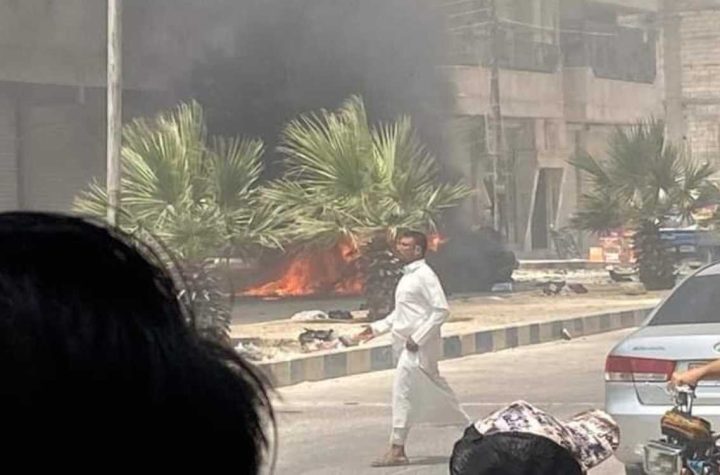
(634, 470)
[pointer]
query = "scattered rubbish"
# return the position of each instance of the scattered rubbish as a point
(578, 288)
(347, 341)
(553, 288)
(315, 340)
(566, 334)
(310, 316)
(319, 315)
(310, 335)
(621, 275)
(503, 287)
(250, 351)
(340, 315)
(634, 288)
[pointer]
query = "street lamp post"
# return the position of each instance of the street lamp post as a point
(114, 108)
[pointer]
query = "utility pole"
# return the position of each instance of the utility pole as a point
(114, 108)
(496, 149)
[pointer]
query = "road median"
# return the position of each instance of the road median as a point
(369, 358)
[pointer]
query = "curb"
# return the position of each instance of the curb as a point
(353, 361)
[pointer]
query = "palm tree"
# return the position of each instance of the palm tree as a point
(198, 195)
(349, 180)
(643, 182)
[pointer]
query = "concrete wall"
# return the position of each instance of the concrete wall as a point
(700, 37)
(597, 100)
(523, 94)
(634, 5)
(8, 155)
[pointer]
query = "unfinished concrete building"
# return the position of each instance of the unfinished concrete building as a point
(570, 71)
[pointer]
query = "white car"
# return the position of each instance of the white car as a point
(682, 332)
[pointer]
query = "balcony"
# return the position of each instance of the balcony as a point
(612, 52)
(519, 49)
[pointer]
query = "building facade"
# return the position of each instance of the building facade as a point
(570, 71)
(691, 34)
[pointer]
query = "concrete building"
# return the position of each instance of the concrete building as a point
(571, 71)
(691, 35)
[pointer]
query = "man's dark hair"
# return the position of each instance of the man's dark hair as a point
(510, 454)
(99, 362)
(419, 238)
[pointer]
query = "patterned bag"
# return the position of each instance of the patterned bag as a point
(681, 426)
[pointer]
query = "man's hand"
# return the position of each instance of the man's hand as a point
(411, 346)
(688, 378)
(365, 335)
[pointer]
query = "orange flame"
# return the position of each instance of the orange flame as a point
(331, 270)
(435, 241)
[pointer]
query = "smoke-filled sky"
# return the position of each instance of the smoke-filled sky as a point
(292, 56)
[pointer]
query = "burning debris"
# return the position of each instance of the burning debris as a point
(314, 272)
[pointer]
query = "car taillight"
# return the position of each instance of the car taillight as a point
(626, 369)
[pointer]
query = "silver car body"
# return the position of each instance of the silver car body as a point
(683, 331)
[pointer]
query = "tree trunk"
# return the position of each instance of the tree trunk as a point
(383, 271)
(655, 260)
(209, 307)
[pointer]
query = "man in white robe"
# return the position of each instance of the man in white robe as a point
(420, 394)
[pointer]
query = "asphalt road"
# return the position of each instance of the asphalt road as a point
(339, 426)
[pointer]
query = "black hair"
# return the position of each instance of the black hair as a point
(97, 358)
(419, 238)
(510, 454)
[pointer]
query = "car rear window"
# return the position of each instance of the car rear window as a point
(697, 300)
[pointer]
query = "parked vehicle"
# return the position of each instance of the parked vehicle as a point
(681, 333)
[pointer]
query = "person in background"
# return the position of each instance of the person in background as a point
(100, 366)
(521, 439)
(420, 394)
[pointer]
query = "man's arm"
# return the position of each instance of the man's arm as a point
(439, 313)
(383, 326)
(694, 376)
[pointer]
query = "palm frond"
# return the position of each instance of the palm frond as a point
(643, 178)
(348, 179)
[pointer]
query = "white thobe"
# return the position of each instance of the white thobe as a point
(420, 394)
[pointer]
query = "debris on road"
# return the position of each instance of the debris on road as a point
(316, 340)
(622, 275)
(553, 288)
(634, 288)
(250, 351)
(340, 315)
(310, 316)
(578, 288)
